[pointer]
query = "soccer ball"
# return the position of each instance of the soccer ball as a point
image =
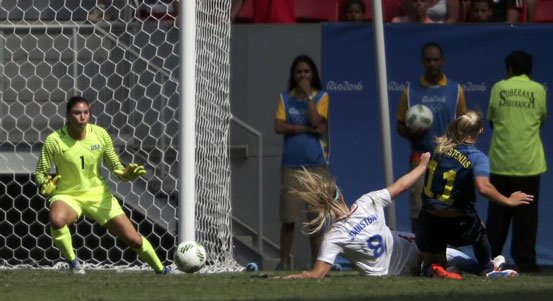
(419, 117)
(189, 257)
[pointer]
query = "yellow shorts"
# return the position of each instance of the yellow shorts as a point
(102, 208)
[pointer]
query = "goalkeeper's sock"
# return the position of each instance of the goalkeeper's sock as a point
(147, 253)
(62, 240)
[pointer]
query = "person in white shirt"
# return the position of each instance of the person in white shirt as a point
(359, 233)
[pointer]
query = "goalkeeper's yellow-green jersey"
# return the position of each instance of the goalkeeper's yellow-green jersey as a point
(78, 161)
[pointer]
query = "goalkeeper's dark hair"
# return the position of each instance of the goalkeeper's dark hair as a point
(74, 100)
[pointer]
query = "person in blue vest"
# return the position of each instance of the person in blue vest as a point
(302, 118)
(444, 97)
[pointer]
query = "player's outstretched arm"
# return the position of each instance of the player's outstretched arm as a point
(319, 270)
(487, 189)
(131, 172)
(407, 180)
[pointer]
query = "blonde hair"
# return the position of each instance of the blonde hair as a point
(463, 127)
(322, 197)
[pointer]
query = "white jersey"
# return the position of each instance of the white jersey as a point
(364, 238)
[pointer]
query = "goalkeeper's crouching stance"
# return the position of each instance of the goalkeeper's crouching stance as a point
(77, 151)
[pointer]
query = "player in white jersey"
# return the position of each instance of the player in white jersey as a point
(365, 239)
(359, 233)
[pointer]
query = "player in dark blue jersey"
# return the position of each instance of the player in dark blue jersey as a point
(457, 168)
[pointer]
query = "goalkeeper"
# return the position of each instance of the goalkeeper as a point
(77, 150)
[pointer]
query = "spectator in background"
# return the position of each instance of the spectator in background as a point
(354, 11)
(443, 11)
(444, 97)
(480, 11)
(267, 11)
(416, 12)
(508, 11)
(302, 118)
(516, 112)
(530, 10)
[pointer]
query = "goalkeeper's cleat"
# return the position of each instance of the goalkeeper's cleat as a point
(440, 272)
(502, 274)
(75, 267)
(498, 262)
(167, 270)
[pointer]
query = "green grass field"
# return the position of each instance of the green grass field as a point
(44, 285)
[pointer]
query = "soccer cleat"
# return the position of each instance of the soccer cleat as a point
(167, 270)
(498, 262)
(440, 272)
(336, 267)
(502, 274)
(75, 267)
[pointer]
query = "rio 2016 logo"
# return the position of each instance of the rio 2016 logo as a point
(344, 86)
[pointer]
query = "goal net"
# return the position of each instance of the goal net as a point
(124, 57)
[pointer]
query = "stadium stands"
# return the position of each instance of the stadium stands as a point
(316, 10)
(331, 11)
(246, 13)
(391, 9)
(543, 11)
(323, 10)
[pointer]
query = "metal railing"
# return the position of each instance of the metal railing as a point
(259, 136)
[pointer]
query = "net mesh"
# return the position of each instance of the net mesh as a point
(123, 56)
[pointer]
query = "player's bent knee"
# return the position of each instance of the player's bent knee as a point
(58, 221)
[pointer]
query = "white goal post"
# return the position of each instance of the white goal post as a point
(126, 58)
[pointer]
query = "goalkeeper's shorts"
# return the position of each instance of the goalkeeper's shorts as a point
(101, 209)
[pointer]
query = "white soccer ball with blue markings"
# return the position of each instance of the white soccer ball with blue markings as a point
(418, 117)
(190, 256)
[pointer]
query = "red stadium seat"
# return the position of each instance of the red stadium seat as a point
(391, 9)
(246, 13)
(316, 10)
(543, 11)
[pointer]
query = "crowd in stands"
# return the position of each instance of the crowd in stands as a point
(395, 11)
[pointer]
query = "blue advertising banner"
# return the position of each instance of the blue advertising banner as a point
(474, 57)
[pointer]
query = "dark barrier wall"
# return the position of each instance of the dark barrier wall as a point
(474, 57)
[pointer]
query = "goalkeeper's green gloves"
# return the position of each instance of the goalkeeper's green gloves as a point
(49, 186)
(131, 172)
